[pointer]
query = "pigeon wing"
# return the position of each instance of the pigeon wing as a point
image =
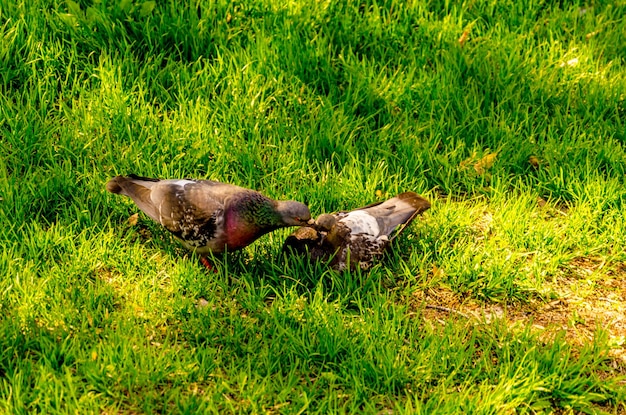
(192, 210)
(396, 213)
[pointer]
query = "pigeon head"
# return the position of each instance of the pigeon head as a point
(326, 222)
(293, 213)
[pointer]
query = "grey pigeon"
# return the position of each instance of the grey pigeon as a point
(358, 237)
(209, 216)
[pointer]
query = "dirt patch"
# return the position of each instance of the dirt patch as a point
(584, 309)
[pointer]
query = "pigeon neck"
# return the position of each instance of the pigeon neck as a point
(248, 219)
(259, 211)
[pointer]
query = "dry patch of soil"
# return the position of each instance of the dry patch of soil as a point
(584, 308)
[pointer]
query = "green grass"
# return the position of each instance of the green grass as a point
(515, 134)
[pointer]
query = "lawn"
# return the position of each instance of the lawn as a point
(507, 296)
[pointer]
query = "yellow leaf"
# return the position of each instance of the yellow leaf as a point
(485, 163)
(534, 161)
(94, 355)
(132, 220)
(463, 165)
(438, 272)
(465, 35)
(541, 202)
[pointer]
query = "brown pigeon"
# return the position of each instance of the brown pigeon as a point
(359, 236)
(209, 216)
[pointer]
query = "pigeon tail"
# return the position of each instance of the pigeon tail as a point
(399, 210)
(137, 188)
(114, 185)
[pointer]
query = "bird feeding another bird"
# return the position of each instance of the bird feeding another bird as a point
(208, 216)
(357, 237)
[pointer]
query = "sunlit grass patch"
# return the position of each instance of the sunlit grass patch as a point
(506, 296)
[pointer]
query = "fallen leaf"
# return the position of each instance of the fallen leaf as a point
(438, 272)
(534, 161)
(132, 220)
(485, 163)
(541, 202)
(467, 162)
(465, 35)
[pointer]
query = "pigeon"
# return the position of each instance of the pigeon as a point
(357, 237)
(209, 216)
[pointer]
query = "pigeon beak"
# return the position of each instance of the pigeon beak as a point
(311, 222)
